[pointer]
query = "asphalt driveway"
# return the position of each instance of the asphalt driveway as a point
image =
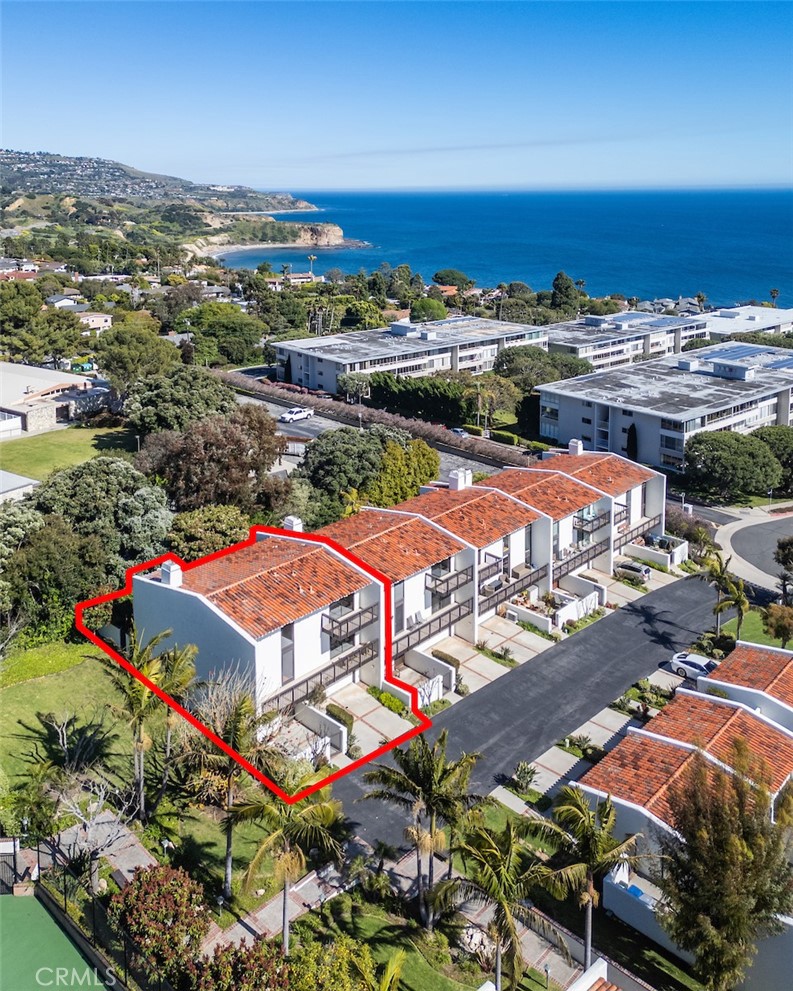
(519, 716)
(756, 544)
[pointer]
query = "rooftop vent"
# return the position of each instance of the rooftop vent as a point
(292, 523)
(461, 478)
(688, 364)
(575, 447)
(171, 574)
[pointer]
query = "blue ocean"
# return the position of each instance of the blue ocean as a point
(732, 245)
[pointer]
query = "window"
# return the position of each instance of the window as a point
(625, 430)
(586, 419)
(586, 438)
(587, 404)
(627, 412)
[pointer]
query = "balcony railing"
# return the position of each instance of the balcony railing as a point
(299, 691)
(447, 583)
(493, 567)
(584, 556)
(620, 514)
(343, 627)
(435, 624)
(640, 530)
(491, 598)
(589, 524)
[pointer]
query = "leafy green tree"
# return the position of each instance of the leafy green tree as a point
(343, 459)
(402, 472)
(330, 966)
(783, 555)
(108, 499)
(20, 304)
(427, 309)
(61, 333)
(18, 520)
(225, 460)
(498, 877)
(238, 334)
(162, 909)
(129, 352)
(726, 877)
(52, 570)
(293, 830)
(779, 440)
(565, 295)
(177, 398)
(452, 277)
(778, 623)
(362, 314)
(206, 530)
(731, 465)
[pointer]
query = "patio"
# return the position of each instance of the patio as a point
(373, 722)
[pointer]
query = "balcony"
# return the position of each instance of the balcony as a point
(524, 577)
(589, 524)
(299, 691)
(647, 525)
(435, 624)
(493, 567)
(450, 581)
(344, 626)
(620, 514)
(565, 566)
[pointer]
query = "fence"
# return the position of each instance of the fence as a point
(68, 898)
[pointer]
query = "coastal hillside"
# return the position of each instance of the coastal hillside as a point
(48, 201)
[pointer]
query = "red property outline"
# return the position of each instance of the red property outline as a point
(424, 721)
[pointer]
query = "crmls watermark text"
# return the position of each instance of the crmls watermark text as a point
(71, 977)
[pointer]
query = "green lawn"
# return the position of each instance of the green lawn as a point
(38, 455)
(30, 939)
(752, 629)
(38, 662)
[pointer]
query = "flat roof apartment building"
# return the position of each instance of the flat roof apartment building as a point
(456, 344)
(624, 338)
(729, 386)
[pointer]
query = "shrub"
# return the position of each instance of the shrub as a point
(388, 700)
(473, 429)
(340, 715)
(450, 659)
(524, 775)
(503, 437)
(460, 687)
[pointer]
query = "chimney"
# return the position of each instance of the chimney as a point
(575, 447)
(460, 478)
(171, 574)
(292, 523)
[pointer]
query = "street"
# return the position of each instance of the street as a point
(518, 716)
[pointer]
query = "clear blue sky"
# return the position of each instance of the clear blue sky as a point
(331, 95)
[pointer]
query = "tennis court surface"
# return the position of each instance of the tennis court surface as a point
(36, 953)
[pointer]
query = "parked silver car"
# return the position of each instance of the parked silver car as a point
(633, 570)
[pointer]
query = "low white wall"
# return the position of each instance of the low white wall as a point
(577, 609)
(431, 667)
(10, 426)
(324, 726)
(583, 587)
(639, 913)
(643, 553)
(544, 623)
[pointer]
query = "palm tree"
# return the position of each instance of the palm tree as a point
(499, 877)
(226, 707)
(177, 677)
(293, 830)
(774, 294)
(501, 288)
(735, 597)
(701, 299)
(138, 701)
(718, 574)
(431, 789)
(585, 838)
(703, 543)
(390, 977)
(311, 260)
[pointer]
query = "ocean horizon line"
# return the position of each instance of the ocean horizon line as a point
(440, 190)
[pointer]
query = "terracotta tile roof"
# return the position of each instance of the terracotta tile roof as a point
(762, 668)
(640, 770)
(397, 544)
(601, 984)
(606, 472)
(273, 582)
(549, 491)
(714, 727)
(475, 515)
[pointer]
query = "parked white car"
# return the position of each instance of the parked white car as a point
(692, 665)
(296, 413)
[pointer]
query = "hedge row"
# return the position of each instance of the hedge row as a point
(450, 659)
(503, 437)
(473, 446)
(388, 700)
(340, 715)
(473, 430)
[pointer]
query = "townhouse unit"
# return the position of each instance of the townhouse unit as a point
(651, 409)
(624, 338)
(303, 616)
(455, 344)
(642, 770)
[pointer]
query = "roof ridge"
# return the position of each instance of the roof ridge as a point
(312, 548)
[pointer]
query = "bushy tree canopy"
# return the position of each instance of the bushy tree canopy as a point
(20, 304)
(130, 351)
(528, 366)
(731, 465)
(206, 530)
(343, 459)
(779, 440)
(452, 277)
(220, 459)
(402, 472)
(565, 295)
(108, 499)
(238, 334)
(173, 400)
(258, 967)
(427, 309)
